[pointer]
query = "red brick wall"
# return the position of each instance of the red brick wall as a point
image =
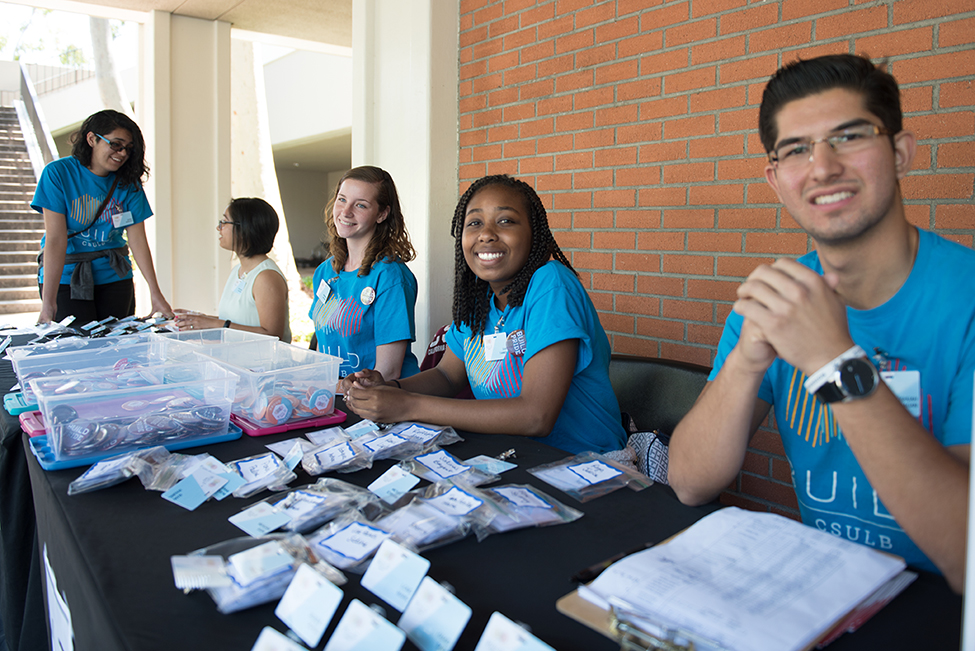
(636, 122)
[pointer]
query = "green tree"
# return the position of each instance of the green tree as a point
(73, 56)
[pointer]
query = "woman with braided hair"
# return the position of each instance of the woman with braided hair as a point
(525, 337)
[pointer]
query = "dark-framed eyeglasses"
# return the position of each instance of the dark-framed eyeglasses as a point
(223, 222)
(116, 146)
(796, 154)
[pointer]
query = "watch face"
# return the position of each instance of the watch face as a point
(858, 377)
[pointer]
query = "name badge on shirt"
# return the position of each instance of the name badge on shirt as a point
(494, 346)
(122, 219)
(324, 290)
(239, 285)
(906, 385)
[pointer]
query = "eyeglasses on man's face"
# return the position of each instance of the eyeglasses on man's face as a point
(117, 146)
(796, 154)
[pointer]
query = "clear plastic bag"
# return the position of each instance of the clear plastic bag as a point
(348, 542)
(471, 504)
(283, 448)
(439, 465)
(262, 471)
(312, 506)
(115, 470)
(164, 469)
(589, 475)
(426, 435)
(420, 525)
(386, 444)
(523, 505)
(261, 569)
(336, 456)
(320, 437)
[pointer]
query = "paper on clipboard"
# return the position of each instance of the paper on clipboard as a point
(722, 581)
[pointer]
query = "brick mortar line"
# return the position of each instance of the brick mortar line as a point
(717, 15)
(666, 49)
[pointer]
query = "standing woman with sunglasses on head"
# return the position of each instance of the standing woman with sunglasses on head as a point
(255, 297)
(88, 199)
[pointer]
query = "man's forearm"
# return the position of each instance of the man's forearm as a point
(708, 446)
(921, 483)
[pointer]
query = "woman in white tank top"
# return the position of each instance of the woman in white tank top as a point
(255, 297)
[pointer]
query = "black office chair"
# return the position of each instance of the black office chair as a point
(654, 394)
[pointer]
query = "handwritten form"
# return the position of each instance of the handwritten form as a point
(744, 580)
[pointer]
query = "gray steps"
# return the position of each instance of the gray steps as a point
(10, 246)
(21, 228)
(19, 293)
(19, 281)
(20, 306)
(22, 221)
(10, 269)
(32, 236)
(18, 257)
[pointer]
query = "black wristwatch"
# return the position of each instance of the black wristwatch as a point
(853, 379)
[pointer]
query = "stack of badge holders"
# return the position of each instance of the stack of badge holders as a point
(281, 386)
(92, 416)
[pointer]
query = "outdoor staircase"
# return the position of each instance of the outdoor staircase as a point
(21, 227)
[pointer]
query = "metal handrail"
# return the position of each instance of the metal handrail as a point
(40, 143)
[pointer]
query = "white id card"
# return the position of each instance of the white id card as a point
(434, 618)
(308, 604)
(502, 634)
(494, 346)
(323, 291)
(906, 385)
(362, 629)
(122, 219)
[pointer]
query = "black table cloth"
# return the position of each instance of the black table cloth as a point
(21, 601)
(110, 551)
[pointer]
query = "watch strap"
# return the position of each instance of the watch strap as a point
(226, 324)
(816, 381)
(830, 393)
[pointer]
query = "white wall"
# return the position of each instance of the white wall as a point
(185, 116)
(10, 76)
(308, 93)
(65, 109)
(304, 195)
(405, 71)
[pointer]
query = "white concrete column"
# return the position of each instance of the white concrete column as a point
(253, 163)
(405, 62)
(184, 113)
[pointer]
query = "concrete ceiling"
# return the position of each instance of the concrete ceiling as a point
(327, 22)
(304, 24)
(320, 23)
(327, 153)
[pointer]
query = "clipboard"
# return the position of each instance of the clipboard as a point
(618, 624)
(615, 625)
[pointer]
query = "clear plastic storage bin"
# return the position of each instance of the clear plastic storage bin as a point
(279, 383)
(119, 356)
(213, 337)
(115, 411)
(74, 344)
